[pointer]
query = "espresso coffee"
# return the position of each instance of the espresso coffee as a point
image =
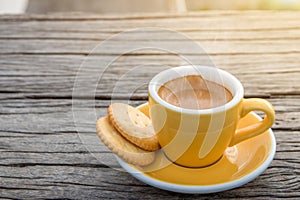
(194, 92)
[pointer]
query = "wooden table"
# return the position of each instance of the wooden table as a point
(42, 154)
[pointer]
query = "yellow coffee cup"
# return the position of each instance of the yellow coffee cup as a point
(198, 138)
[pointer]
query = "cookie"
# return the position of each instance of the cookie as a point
(120, 146)
(134, 125)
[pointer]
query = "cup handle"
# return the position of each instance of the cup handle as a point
(253, 130)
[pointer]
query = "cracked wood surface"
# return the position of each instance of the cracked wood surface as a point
(42, 155)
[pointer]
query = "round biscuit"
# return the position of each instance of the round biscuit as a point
(120, 146)
(134, 125)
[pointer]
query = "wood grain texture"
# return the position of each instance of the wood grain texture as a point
(43, 153)
(42, 78)
(48, 155)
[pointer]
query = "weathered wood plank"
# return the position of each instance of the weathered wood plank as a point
(53, 130)
(57, 164)
(55, 75)
(235, 37)
(13, 65)
(21, 149)
(25, 32)
(235, 30)
(90, 183)
(52, 46)
(82, 183)
(219, 14)
(198, 30)
(41, 153)
(234, 48)
(53, 173)
(16, 113)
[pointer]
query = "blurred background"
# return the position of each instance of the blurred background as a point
(140, 6)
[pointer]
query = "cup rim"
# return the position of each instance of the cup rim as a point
(164, 76)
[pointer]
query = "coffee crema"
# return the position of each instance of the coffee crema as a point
(194, 92)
